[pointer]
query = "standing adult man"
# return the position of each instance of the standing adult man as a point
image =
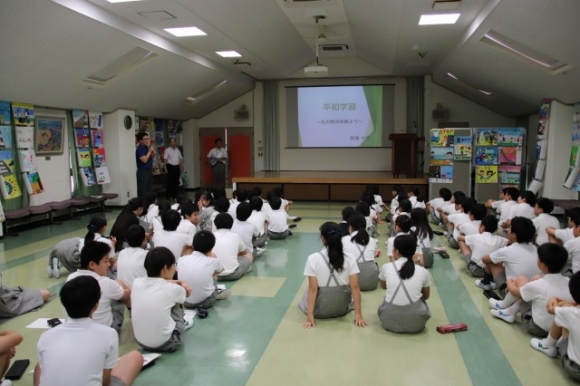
(173, 167)
(217, 159)
(144, 156)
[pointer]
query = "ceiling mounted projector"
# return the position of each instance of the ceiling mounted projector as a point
(317, 69)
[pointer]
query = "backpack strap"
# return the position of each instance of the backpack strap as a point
(331, 271)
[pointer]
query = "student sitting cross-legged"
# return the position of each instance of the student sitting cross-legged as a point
(404, 309)
(130, 264)
(199, 270)
(277, 220)
(230, 250)
(331, 274)
(80, 351)
(157, 304)
(258, 218)
(535, 292)
(561, 236)
(544, 220)
(362, 248)
(95, 263)
(169, 237)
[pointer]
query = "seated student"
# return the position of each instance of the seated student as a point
(404, 310)
(206, 208)
(524, 208)
(573, 248)
(199, 271)
(370, 200)
(247, 231)
(95, 263)
(190, 220)
(222, 205)
(495, 204)
(164, 206)
(436, 203)
(535, 292)
(397, 189)
(230, 249)
(476, 213)
(417, 200)
(517, 259)
(403, 227)
(130, 264)
(279, 192)
(378, 204)
(343, 225)
(450, 208)
(564, 337)
(542, 209)
(403, 209)
(150, 209)
(157, 304)
(258, 219)
(364, 209)
(234, 199)
(360, 247)
(128, 216)
(8, 342)
(168, 237)
(510, 197)
(473, 247)
(241, 196)
(560, 236)
(423, 232)
(331, 274)
(454, 221)
(80, 351)
(277, 220)
(17, 301)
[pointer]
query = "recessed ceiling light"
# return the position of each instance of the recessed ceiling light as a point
(484, 92)
(452, 76)
(185, 31)
(441, 18)
(121, 1)
(229, 54)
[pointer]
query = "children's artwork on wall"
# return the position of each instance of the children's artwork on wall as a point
(4, 113)
(486, 174)
(572, 179)
(23, 114)
(103, 176)
(510, 136)
(32, 183)
(574, 161)
(49, 134)
(7, 165)
(95, 120)
(463, 148)
(442, 137)
(99, 157)
(159, 139)
(82, 138)
(80, 119)
(510, 155)
(174, 126)
(24, 137)
(9, 186)
(486, 155)
(441, 174)
(487, 137)
(84, 157)
(441, 156)
(5, 137)
(2, 216)
(509, 174)
(26, 158)
(98, 137)
(146, 124)
(545, 109)
(541, 128)
(87, 176)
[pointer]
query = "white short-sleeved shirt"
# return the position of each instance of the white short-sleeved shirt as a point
(568, 318)
(565, 234)
(100, 239)
(186, 227)
(415, 203)
(522, 209)
(540, 291)
(482, 244)
(233, 207)
(152, 299)
(172, 240)
(573, 248)
(258, 218)
(425, 241)
(157, 224)
(131, 265)
(505, 210)
(456, 219)
(496, 204)
(449, 208)
(391, 242)
(437, 203)
(353, 250)
(378, 199)
(212, 220)
(172, 156)
(247, 231)
(470, 228)
(395, 216)
(316, 266)
(82, 347)
(218, 153)
(266, 208)
(518, 260)
(228, 246)
(152, 214)
(277, 221)
(197, 271)
(110, 290)
(542, 222)
(394, 204)
(414, 284)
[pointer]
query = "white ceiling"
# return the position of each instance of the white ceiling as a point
(49, 47)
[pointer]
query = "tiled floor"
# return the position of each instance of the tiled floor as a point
(256, 337)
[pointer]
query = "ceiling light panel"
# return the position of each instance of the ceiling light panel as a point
(229, 54)
(438, 19)
(185, 31)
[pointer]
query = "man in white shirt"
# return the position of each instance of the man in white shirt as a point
(173, 167)
(130, 264)
(95, 263)
(217, 160)
(543, 220)
(230, 249)
(169, 237)
(80, 351)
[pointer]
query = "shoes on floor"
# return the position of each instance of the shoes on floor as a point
(55, 268)
(503, 315)
(538, 344)
(188, 318)
(490, 286)
(445, 233)
(292, 226)
(289, 233)
(296, 219)
(223, 294)
(260, 251)
(494, 304)
(438, 233)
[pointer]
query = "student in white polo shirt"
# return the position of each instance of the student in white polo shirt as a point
(190, 220)
(524, 208)
(476, 214)
(230, 249)
(560, 236)
(544, 220)
(130, 264)
(403, 227)
(169, 237)
(80, 351)
(241, 196)
(463, 207)
(173, 167)
(247, 231)
(438, 202)
(573, 247)
(199, 270)
(474, 247)
(362, 248)
(258, 218)
(277, 220)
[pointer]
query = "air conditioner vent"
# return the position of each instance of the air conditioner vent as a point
(334, 47)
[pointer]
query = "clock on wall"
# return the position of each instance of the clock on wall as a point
(128, 122)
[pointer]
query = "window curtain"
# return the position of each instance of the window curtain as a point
(415, 105)
(24, 200)
(80, 190)
(271, 128)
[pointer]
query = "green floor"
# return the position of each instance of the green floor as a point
(256, 337)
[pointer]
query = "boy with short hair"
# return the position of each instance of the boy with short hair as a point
(277, 220)
(510, 196)
(241, 196)
(524, 208)
(573, 248)
(230, 249)
(95, 263)
(199, 270)
(450, 208)
(258, 218)
(542, 209)
(560, 236)
(415, 198)
(188, 224)
(453, 221)
(566, 327)
(436, 203)
(535, 292)
(80, 351)
(222, 205)
(169, 237)
(247, 231)
(130, 264)
(157, 304)
(476, 214)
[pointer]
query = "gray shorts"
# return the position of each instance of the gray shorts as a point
(116, 381)
(570, 367)
(531, 326)
(243, 267)
(452, 242)
(278, 235)
(206, 303)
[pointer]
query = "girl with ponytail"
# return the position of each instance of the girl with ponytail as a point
(404, 309)
(363, 249)
(128, 216)
(332, 281)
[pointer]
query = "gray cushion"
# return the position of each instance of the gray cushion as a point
(79, 201)
(16, 214)
(40, 209)
(58, 205)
